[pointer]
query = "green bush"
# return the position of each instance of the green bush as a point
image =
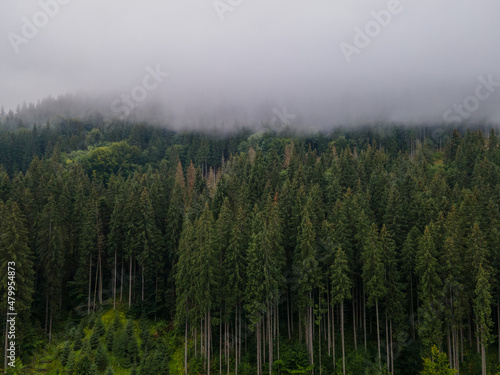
(65, 353)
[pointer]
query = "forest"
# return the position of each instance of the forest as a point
(144, 250)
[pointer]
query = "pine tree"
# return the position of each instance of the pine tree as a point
(51, 252)
(430, 289)
(206, 277)
(101, 358)
(16, 261)
(437, 364)
(307, 273)
(65, 353)
(374, 276)
(132, 350)
(341, 291)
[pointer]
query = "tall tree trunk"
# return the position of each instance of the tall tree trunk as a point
(378, 336)
(448, 340)
(220, 344)
(342, 335)
(411, 308)
(90, 283)
(364, 316)
(114, 283)
(483, 353)
(100, 278)
(333, 336)
(269, 328)
(354, 319)
(392, 348)
(96, 282)
(186, 344)
(258, 348)
(46, 313)
(121, 281)
(288, 317)
(130, 284)
(387, 344)
(328, 319)
(236, 341)
(50, 327)
(209, 340)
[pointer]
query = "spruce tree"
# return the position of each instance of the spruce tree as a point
(16, 261)
(341, 291)
(430, 289)
(374, 276)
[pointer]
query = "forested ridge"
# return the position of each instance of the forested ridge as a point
(143, 250)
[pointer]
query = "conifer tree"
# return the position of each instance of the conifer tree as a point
(16, 261)
(374, 276)
(341, 291)
(430, 289)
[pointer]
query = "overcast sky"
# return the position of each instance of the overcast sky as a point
(240, 59)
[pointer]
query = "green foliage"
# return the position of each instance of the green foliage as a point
(437, 364)
(65, 353)
(94, 339)
(131, 354)
(101, 358)
(277, 223)
(83, 366)
(109, 340)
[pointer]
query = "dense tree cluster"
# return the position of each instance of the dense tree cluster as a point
(316, 253)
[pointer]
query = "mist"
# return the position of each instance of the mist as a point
(313, 64)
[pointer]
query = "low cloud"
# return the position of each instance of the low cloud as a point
(239, 61)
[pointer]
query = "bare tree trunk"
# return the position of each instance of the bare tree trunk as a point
(483, 353)
(186, 344)
(114, 284)
(269, 324)
(411, 308)
(130, 284)
(378, 336)
(90, 283)
(220, 344)
(236, 359)
(328, 320)
(100, 278)
(392, 348)
(46, 313)
(142, 284)
(364, 316)
(50, 328)
(342, 335)
(121, 282)
(448, 339)
(258, 349)
(209, 340)
(333, 336)
(354, 319)
(96, 282)
(387, 344)
(288, 316)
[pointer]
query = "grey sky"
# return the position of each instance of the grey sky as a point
(263, 54)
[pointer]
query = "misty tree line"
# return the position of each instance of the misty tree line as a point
(248, 243)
